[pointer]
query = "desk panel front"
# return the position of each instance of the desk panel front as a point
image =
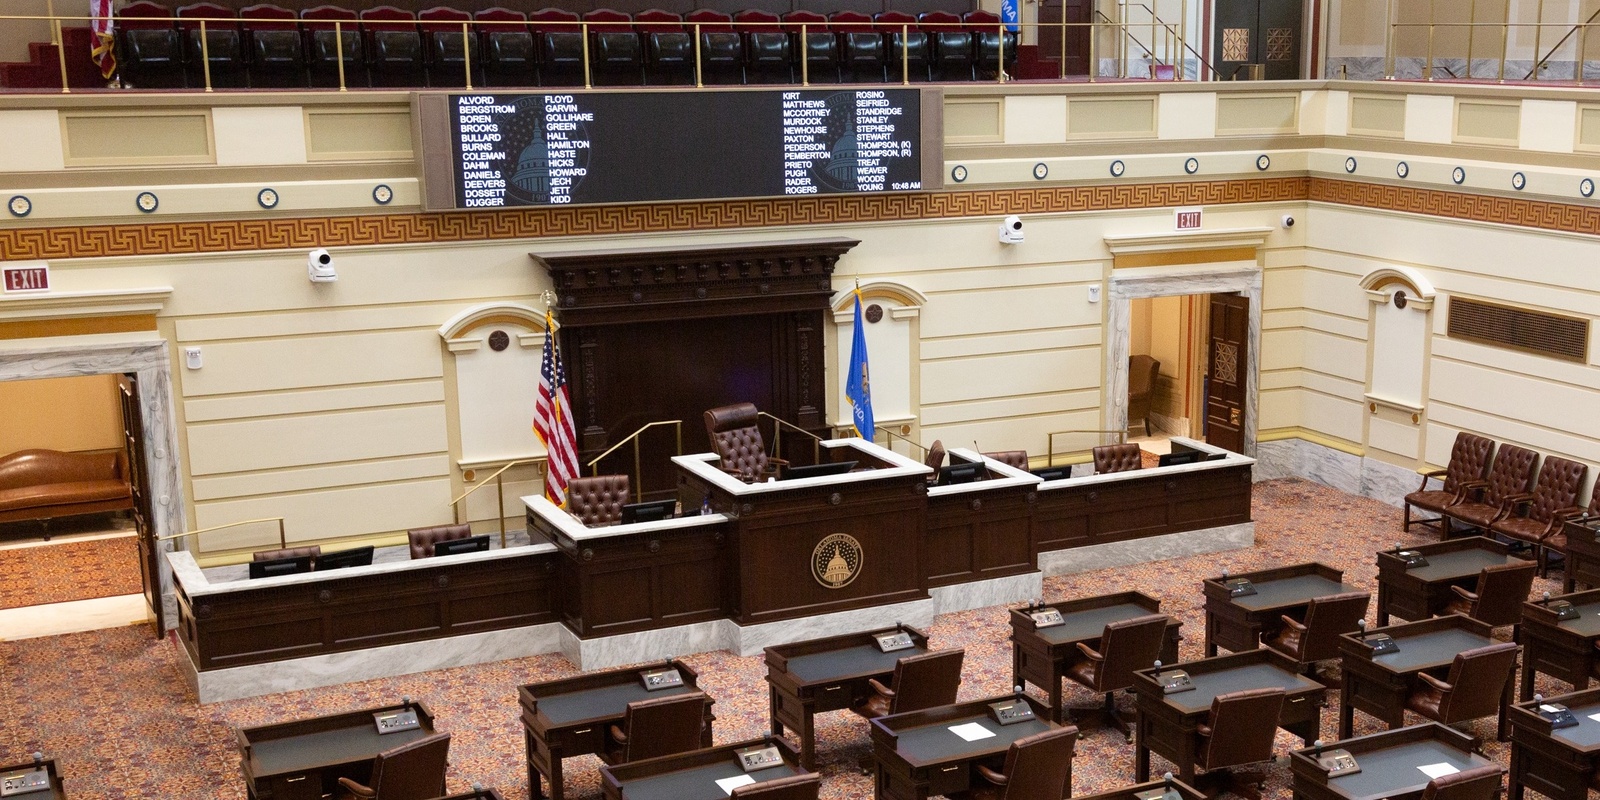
(1561, 648)
(303, 759)
(693, 775)
(1557, 763)
(1390, 764)
(1148, 502)
(919, 756)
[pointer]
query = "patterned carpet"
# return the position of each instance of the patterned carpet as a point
(112, 707)
(61, 571)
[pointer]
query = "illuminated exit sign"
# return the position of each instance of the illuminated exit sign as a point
(1188, 219)
(26, 278)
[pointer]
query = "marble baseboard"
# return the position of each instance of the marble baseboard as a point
(632, 648)
(1153, 548)
(1298, 458)
(379, 662)
(983, 594)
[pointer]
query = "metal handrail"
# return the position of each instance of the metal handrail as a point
(500, 493)
(777, 436)
(638, 469)
(1122, 436)
(282, 539)
(905, 439)
(1582, 29)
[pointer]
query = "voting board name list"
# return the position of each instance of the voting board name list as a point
(843, 141)
(545, 170)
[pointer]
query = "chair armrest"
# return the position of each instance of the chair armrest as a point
(1090, 653)
(618, 736)
(1292, 623)
(880, 688)
(1464, 594)
(991, 776)
(1568, 513)
(1438, 473)
(1435, 682)
(1514, 501)
(356, 789)
(1202, 729)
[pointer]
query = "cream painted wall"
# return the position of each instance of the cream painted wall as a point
(1139, 325)
(70, 414)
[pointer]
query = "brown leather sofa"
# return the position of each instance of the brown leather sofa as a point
(46, 484)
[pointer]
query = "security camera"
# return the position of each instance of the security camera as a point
(1011, 230)
(1288, 221)
(319, 266)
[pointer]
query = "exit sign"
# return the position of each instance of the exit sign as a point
(1188, 219)
(26, 278)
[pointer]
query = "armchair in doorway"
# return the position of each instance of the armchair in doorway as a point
(1142, 372)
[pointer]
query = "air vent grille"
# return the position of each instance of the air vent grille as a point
(1537, 332)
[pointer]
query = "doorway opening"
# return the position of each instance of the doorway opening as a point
(1166, 370)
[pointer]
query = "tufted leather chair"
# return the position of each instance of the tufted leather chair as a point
(423, 539)
(737, 439)
(412, 771)
(794, 787)
(986, 42)
(1474, 688)
(1117, 458)
(444, 49)
(311, 551)
(1240, 731)
(1478, 783)
(598, 500)
(660, 726)
(1011, 458)
(1538, 516)
(1125, 646)
(920, 681)
(1469, 461)
(1502, 589)
(1488, 501)
(1142, 372)
(1317, 639)
(1038, 767)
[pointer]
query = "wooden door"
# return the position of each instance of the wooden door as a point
(1076, 54)
(1259, 32)
(1227, 359)
(133, 449)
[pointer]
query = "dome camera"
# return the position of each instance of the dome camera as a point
(319, 266)
(1011, 230)
(1288, 221)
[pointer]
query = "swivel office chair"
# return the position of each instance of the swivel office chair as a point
(1125, 646)
(1475, 688)
(1038, 767)
(1317, 638)
(660, 726)
(920, 681)
(736, 438)
(412, 771)
(1478, 783)
(1501, 590)
(1240, 731)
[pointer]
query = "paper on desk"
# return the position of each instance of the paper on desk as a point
(1435, 770)
(971, 731)
(727, 785)
(1595, 717)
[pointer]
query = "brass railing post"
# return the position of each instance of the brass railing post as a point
(1152, 38)
(1538, 41)
(61, 55)
(1183, 39)
(338, 43)
(1427, 69)
(466, 56)
(500, 509)
(1583, 34)
(1505, 42)
(1000, 63)
(588, 75)
(205, 55)
(1388, 47)
(905, 55)
(699, 76)
(1472, 33)
(1094, 63)
(805, 56)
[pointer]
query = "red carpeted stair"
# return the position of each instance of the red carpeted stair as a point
(42, 70)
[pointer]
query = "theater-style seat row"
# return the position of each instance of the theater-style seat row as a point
(270, 46)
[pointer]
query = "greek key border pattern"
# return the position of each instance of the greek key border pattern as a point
(1516, 211)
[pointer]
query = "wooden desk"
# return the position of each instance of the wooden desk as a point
(828, 674)
(1236, 623)
(1421, 592)
(304, 759)
(1041, 656)
(476, 794)
(1167, 723)
(1388, 761)
(1184, 790)
(918, 756)
(1379, 685)
(572, 717)
(1562, 649)
(693, 775)
(48, 767)
(1583, 553)
(1559, 764)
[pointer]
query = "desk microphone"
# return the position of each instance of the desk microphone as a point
(38, 758)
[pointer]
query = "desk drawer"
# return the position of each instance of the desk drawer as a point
(298, 786)
(947, 779)
(834, 696)
(587, 739)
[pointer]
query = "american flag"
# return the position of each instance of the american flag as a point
(552, 420)
(103, 50)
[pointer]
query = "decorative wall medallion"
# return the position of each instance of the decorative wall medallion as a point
(147, 202)
(874, 313)
(1191, 166)
(382, 194)
(1235, 44)
(958, 173)
(1263, 161)
(1117, 168)
(1458, 175)
(1350, 164)
(1041, 170)
(21, 206)
(1519, 181)
(1400, 299)
(1586, 187)
(499, 340)
(836, 561)
(1402, 169)
(267, 198)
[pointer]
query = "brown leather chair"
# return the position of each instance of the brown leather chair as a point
(598, 500)
(412, 771)
(794, 787)
(736, 437)
(1501, 591)
(311, 551)
(1125, 646)
(423, 539)
(1240, 731)
(660, 726)
(1469, 461)
(1017, 459)
(1142, 373)
(1038, 767)
(1488, 501)
(1475, 687)
(1317, 638)
(935, 457)
(1117, 458)
(920, 681)
(1478, 783)
(1536, 517)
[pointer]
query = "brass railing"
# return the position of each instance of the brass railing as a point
(1122, 436)
(777, 436)
(638, 469)
(282, 539)
(500, 494)
(1541, 57)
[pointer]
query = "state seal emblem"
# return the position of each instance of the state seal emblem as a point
(836, 561)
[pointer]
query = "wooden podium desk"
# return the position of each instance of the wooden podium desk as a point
(1583, 552)
(919, 756)
(783, 535)
(693, 775)
(1421, 592)
(1562, 649)
(573, 716)
(1168, 723)
(1559, 764)
(1379, 685)
(1236, 623)
(828, 674)
(983, 529)
(16, 775)
(1040, 656)
(1389, 764)
(304, 759)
